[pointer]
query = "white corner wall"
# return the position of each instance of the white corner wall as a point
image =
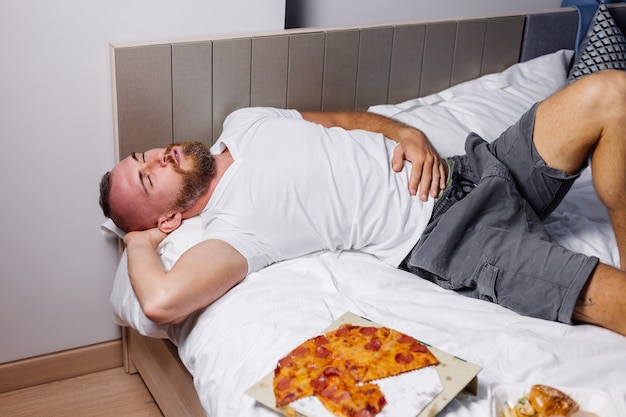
(56, 130)
(323, 13)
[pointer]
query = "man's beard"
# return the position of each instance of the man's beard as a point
(195, 180)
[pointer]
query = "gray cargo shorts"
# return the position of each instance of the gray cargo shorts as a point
(491, 243)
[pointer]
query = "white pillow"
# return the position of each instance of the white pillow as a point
(487, 106)
(126, 308)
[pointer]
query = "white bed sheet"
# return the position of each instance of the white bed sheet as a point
(237, 340)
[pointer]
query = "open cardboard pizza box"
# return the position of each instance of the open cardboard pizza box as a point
(455, 375)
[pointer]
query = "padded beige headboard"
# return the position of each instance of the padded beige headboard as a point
(172, 92)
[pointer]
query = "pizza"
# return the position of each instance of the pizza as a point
(339, 366)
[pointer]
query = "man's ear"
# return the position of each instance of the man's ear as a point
(168, 224)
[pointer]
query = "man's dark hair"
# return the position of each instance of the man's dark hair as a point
(105, 191)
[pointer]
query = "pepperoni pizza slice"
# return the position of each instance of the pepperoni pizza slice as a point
(337, 366)
(296, 371)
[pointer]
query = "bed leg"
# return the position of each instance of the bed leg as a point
(129, 366)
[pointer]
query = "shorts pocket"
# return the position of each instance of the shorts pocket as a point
(486, 282)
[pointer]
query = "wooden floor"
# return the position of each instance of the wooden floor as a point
(111, 393)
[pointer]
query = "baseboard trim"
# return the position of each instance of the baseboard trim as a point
(60, 365)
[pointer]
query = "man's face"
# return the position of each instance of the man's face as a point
(158, 182)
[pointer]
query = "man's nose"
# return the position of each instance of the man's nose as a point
(156, 159)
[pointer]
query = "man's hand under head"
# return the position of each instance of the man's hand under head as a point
(152, 237)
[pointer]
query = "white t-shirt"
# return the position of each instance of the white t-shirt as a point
(296, 187)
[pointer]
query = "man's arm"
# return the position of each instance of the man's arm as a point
(201, 275)
(429, 170)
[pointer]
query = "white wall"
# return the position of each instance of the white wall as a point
(316, 13)
(56, 135)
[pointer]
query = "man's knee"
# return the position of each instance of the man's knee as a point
(605, 91)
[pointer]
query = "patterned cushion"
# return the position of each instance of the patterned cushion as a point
(604, 47)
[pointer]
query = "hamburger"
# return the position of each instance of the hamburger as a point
(542, 401)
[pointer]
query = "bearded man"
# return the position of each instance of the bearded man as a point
(279, 184)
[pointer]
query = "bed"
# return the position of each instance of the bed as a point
(446, 77)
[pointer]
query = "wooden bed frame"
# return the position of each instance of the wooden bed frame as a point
(170, 92)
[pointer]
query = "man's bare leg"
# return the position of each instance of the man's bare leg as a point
(602, 301)
(589, 116)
